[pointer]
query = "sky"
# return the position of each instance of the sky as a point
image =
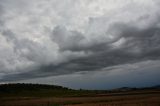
(90, 44)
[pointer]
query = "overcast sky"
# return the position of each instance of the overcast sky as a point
(110, 42)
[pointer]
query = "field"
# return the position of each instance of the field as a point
(143, 97)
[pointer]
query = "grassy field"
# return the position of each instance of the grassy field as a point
(68, 97)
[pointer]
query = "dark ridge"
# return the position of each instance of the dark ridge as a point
(43, 90)
(29, 86)
(33, 90)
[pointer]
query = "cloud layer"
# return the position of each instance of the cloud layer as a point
(42, 38)
(141, 74)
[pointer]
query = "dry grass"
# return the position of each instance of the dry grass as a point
(144, 99)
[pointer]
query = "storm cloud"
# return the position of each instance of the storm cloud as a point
(42, 38)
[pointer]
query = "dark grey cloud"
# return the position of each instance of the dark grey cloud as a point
(67, 40)
(139, 74)
(147, 42)
(42, 39)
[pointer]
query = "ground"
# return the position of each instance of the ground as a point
(130, 98)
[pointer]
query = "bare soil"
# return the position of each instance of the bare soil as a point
(148, 98)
